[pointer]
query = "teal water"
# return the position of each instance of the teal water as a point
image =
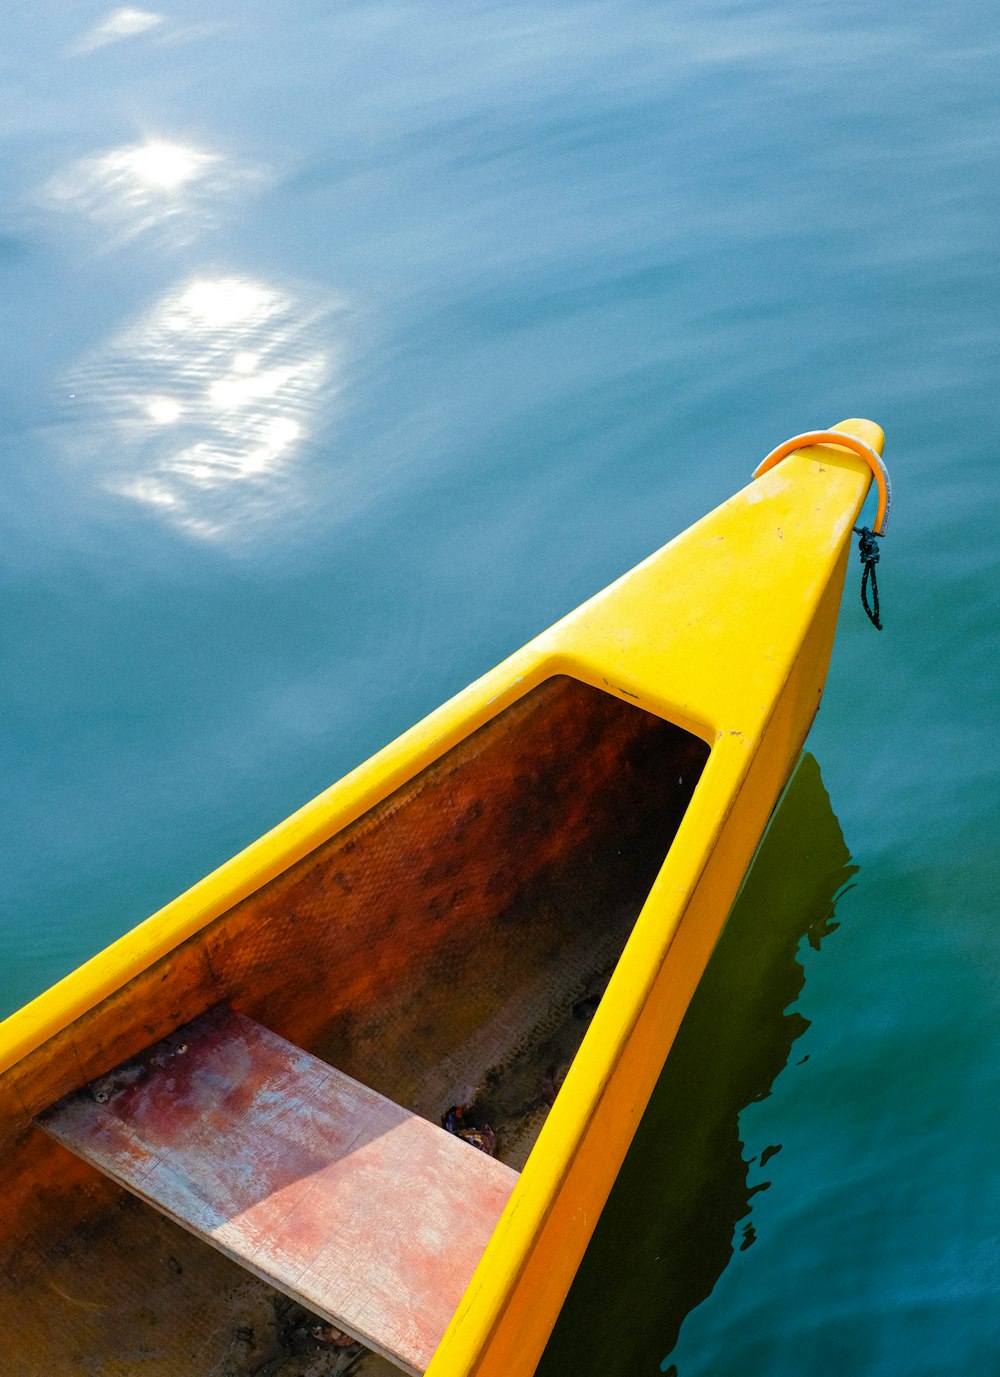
(347, 346)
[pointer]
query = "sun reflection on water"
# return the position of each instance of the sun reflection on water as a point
(139, 186)
(200, 408)
(122, 23)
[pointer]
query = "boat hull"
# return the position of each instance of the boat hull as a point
(594, 802)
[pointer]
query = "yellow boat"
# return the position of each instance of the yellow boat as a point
(496, 922)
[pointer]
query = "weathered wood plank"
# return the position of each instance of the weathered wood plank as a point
(364, 1212)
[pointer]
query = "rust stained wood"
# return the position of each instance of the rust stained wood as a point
(560, 805)
(421, 917)
(362, 1211)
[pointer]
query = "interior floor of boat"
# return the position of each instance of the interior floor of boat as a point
(135, 1292)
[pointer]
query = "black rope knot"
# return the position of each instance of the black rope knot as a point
(869, 552)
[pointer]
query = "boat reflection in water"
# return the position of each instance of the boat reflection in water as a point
(680, 1206)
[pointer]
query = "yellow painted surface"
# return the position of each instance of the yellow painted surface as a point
(727, 631)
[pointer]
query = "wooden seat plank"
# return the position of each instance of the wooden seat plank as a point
(365, 1213)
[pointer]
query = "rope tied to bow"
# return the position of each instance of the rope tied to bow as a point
(868, 538)
(869, 552)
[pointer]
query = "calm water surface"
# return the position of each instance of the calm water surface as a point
(345, 347)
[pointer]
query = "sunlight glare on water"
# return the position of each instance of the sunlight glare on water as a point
(149, 186)
(211, 390)
(116, 25)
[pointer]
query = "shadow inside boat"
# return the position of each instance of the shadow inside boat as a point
(671, 1223)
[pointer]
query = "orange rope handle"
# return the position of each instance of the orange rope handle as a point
(839, 437)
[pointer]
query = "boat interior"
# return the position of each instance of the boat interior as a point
(445, 950)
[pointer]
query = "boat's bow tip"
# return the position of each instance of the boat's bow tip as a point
(869, 432)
